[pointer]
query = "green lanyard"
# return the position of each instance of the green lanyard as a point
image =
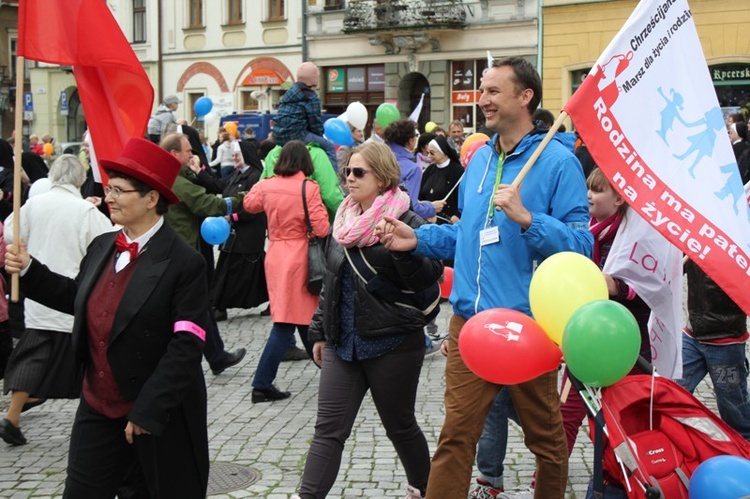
(500, 162)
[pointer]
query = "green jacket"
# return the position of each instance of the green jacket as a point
(323, 174)
(195, 204)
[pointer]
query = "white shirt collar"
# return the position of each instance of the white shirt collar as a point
(124, 259)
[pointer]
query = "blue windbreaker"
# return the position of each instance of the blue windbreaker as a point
(499, 274)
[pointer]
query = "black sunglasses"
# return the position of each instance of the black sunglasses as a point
(358, 172)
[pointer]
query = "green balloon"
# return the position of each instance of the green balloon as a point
(601, 343)
(387, 114)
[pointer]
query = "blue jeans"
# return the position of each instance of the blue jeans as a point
(494, 440)
(327, 146)
(728, 367)
(278, 342)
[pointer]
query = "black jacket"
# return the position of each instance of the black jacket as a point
(712, 314)
(375, 317)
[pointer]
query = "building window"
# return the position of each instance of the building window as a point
(466, 77)
(13, 56)
(195, 16)
(345, 84)
(732, 84)
(235, 12)
(250, 101)
(275, 10)
(334, 4)
(139, 21)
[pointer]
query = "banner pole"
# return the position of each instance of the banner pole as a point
(17, 151)
(551, 133)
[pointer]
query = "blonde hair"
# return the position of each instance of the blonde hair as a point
(598, 182)
(381, 160)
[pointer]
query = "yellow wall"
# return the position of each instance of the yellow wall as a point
(575, 35)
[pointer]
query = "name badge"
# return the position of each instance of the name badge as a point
(490, 235)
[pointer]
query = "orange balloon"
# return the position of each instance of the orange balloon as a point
(470, 140)
(48, 149)
(231, 128)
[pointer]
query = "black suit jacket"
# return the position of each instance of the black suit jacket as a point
(156, 367)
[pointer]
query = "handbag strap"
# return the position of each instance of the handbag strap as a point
(383, 287)
(307, 213)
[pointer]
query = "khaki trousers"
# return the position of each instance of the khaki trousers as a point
(468, 400)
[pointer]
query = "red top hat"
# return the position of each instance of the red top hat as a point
(145, 161)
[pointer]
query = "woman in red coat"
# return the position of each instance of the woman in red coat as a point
(292, 306)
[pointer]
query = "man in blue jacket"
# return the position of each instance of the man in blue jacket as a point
(504, 234)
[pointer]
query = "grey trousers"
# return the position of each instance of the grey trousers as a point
(392, 380)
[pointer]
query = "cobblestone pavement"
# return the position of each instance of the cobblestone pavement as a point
(273, 438)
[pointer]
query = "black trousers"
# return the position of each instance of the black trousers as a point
(102, 464)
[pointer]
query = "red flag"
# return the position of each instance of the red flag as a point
(115, 91)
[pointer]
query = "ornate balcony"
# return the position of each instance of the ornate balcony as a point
(380, 15)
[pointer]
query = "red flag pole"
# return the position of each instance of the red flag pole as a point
(17, 151)
(532, 159)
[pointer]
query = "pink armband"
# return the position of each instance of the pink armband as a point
(190, 327)
(235, 217)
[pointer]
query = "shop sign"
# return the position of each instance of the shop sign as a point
(336, 79)
(468, 97)
(262, 77)
(376, 78)
(355, 79)
(730, 72)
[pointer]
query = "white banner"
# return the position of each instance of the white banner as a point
(652, 266)
(649, 115)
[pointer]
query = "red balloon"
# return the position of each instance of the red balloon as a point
(446, 285)
(469, 152)
(507, 347)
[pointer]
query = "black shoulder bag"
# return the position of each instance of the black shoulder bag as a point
(316, 263)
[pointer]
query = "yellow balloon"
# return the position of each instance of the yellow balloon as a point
(430, 126)
(560, 286)
(48, 149)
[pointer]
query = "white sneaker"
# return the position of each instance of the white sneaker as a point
(413, 493)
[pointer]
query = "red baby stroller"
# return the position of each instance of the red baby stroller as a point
(650, 435)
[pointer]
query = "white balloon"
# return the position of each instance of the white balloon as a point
(211, 118)
(357, 115)
(255, 94)
(41, 186)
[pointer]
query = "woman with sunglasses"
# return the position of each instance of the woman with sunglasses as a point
(440, 178)
(367, 338)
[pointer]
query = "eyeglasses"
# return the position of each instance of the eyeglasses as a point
(431, 153)
(116, 192)
(356, 171)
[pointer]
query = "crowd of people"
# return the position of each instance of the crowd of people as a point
(122, 295)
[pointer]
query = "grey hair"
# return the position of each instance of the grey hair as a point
(67, 169)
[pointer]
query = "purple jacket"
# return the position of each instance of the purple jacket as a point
(411, 179)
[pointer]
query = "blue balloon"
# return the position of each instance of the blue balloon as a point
(338, 132)
(721, 477)
(203, 106)
(215, 230)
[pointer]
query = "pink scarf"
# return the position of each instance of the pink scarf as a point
(604, 232)
(352, 227)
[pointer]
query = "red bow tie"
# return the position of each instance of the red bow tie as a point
(122, 245)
